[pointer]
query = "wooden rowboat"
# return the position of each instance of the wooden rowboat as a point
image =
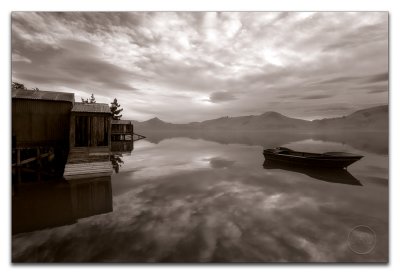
(321, 160)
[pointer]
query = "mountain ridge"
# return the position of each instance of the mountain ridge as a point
(373, 118)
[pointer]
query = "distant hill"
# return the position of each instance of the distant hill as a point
(156, 124)
(266, 121)
(375, 118)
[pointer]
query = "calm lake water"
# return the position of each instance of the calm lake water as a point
(207, 197)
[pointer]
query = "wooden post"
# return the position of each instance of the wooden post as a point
(72, 131)
(38, 175)
(109, 132)
(18, 157)
(19, 178)
(39, 158)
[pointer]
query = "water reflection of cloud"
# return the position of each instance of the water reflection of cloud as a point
(157, 222)
(165, 211)
(217, 162)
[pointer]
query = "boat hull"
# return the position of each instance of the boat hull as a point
(317, 161)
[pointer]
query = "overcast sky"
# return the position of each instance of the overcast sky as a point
(184, 67)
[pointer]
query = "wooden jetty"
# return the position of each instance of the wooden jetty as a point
(40, 153)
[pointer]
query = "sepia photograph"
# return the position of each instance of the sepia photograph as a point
(199, 137)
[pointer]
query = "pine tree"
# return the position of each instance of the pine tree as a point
(87, 100)
(115, 111)
(92, 99)
(16, 85)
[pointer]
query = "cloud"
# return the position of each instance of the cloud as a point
(19, 58)
(149, 60)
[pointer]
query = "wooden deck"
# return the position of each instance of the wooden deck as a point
(137, 137)
(88, 154)
(87, 170)
(88, 162)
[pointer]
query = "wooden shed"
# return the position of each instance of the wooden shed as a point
(40, 118)
(40, 127)
(90, 141)
(90, 125)
(121, 130)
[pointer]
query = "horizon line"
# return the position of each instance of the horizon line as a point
(260, 115)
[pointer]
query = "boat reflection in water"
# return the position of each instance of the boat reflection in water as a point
(340, 176)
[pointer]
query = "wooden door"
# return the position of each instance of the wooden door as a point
(82, 131)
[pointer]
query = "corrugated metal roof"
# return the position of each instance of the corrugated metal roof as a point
(91, 108)
(43, 95)
(121, 122)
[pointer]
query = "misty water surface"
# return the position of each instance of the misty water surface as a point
(208, 197)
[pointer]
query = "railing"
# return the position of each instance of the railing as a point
(121, 131)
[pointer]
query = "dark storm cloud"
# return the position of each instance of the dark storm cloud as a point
(221, 96)
(291, 62)
(316, 96)
(383, 77)
(374, 88)
(359, 79)
(372, 91)
(72, 63)
(359, 36)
